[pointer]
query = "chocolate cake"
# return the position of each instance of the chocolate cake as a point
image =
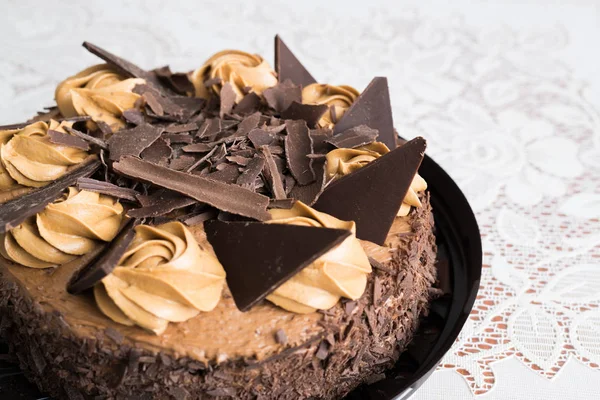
(233, 232)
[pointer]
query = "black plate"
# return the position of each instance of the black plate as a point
(459, 272)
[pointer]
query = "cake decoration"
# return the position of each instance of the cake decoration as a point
(297, 146)
(272, 253)
(131, 142)
(343, 161)
(99, 92)
(281, 96)
(310, 113)
(17, 210)
(354, 137)
(287, 65)
(372, 108)
(337, 98)
(107, 188)
(72, 226)
(164, 276)
(375, 209)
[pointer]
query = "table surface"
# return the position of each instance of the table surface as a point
(508, 97)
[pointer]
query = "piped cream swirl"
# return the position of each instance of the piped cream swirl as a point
(99, 92)
(239, 68)
(341, 272)
(340, 98)
(341, 162)
(29, 159)
(165, 276)
(72, 226)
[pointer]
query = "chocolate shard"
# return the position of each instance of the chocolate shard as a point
(383, 184)
(88, 138)
(134, 116)
(272, 174)
(249, 104)
(311, 113)
(105, 262)
(297, 147)
(281, 96)
(371, 108)
(107, 188)
(126, 67)
(179, 128)
(227, 99)
(64, 139)
(158, 152)
(252, 171)
(287, 65)
(17, 210)
(131, 142)
(260, 137)
(354, 137)
(225, 197)
(179, 82)
(258, 257)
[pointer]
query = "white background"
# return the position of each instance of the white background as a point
(507, 95)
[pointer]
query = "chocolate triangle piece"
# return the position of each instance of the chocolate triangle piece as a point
(372, 195)
(105, 262)
(259, 257)
(287, 65)
(373, 109)
(127, 67)
(17, 210)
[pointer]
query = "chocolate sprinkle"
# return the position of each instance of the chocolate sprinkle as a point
(259, 257)
(371, 108)
(297, 146)
(17, 210)
(107, 188)
(225, 197)
(64, 139)
(375, 209)
(311, 113)
(354, 137)
(131, 142)
(105, 262)
(287, 65)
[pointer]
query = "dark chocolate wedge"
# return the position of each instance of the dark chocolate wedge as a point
(287, 66)
(372, 195)
(258, 258)
(373, 109)
(17, 210)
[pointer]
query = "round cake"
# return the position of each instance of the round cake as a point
(233, 232)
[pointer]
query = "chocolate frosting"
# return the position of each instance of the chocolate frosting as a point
(72, 226)
(99, 92)
(29, 159)
(164, 276)
(341, 272)
(240, 69)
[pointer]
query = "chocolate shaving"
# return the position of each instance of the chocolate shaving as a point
(182, 163)
(105, 262)
(225, 197)
(249, 104)
(311, 113)
(179, 82)
(131, 142)
(158, 152)
(248, 124)
(371, 108)
(252, 171)
(107, 188)
(162, 107)
(197, 148)
(64, 139)
(377, 265)
(199, 218)
(322, 351)
(309, 193)
(104, 128)
(227, 99)
(179, 128)
(271, 173)
(203, 159)
(282, 203)
(153, 103)
(17, 210)
(260, 137)
(354, 137)
(287, 65)
(297, 146)
(178, 138)
(281, 96)
(229, 173)
(271, 254)
(134, 116)
(98, 142)
(160, 203)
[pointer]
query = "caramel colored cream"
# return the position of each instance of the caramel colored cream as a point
(340, 98)
(341, 162)
(99, 92)
(240, 69)
(165, 276)
(341, 272)
(30, 160)
(72, 226)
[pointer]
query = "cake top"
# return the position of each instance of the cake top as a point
(235, 142)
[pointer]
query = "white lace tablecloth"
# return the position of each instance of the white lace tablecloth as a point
(508, 97)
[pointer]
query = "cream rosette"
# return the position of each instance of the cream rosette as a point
(341, 162)
(239, 68)
(341, 272)
(29, 159)
(67, 228)
(338, 97)
(99, 92)
(165, 276)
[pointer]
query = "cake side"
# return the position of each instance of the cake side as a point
(357, 341)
